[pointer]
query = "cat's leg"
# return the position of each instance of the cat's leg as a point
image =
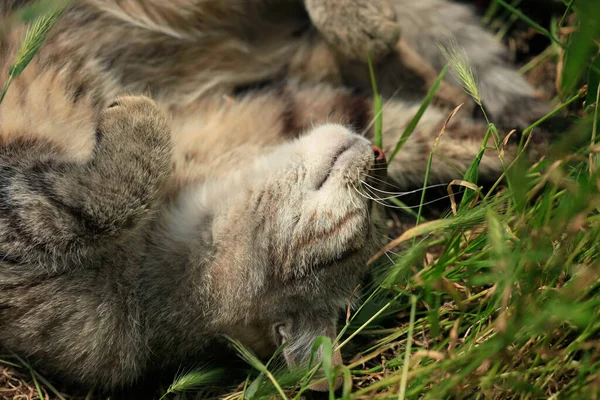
(411, 68)
(183, 50)
(350, 26)
(455, 146)
(302, 107)
(247, 126)
(455, 151)
(187, 19)
(220, 46)
(508, 98)
(58, 211)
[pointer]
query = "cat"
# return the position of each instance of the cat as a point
(173, 172)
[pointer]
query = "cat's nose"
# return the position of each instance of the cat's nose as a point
(379, 156)
(379, 164)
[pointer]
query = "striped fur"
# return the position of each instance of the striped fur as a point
(135, 232)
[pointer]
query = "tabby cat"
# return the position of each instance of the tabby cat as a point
(239, 201)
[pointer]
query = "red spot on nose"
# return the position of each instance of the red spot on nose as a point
(379, 156)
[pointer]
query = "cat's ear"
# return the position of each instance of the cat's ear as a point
(300, 334)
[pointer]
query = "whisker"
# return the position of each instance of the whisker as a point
(371, 193)
(405, 193)
(367, 195)
(351, 199)
(395, 195)
(388, 183)
(377, 169)
(378, 201)
(432, 201)
(381, 198)
(373, 199)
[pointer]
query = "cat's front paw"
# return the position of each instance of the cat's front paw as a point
(136, 124)
(356, 27)
(133, 154)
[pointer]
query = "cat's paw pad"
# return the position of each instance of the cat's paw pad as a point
(356, 27)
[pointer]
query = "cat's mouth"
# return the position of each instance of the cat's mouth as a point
(353, 152)
(345, 148)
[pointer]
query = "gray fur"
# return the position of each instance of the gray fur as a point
(133, 234)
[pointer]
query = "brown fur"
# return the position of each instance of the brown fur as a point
(134, 233)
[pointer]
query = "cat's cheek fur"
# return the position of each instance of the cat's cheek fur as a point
(294, 213)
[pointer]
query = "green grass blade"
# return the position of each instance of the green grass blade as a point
(411, 327)
(35, 37)
(38, 376)
(531, 22)
(193, 380)
(593, 81)
(377, 106)
(324, 343)
(415, 120)
(38, 388)
(378, 128)
(594, 132)
(425, 180)
(582, 45)
(253, 389)
(10, 364)
(347, 385)
(251, 359)
(472, 174)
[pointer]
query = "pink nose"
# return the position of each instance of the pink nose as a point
(379, 156)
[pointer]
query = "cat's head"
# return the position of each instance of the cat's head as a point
(291, 235)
